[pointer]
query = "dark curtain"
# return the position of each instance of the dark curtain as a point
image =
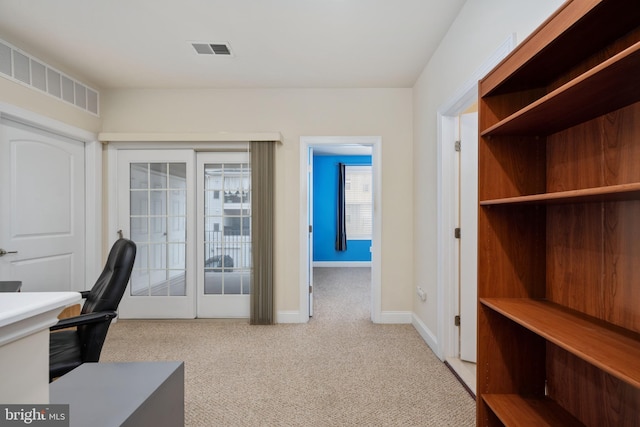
(341, 226)
(262, 220)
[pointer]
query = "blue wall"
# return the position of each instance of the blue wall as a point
(325, 193)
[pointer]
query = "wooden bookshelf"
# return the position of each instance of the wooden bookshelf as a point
(558, 224)
(599, 194)
(515, 410)
(589, 95)
(614, 350)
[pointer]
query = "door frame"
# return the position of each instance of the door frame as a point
(306, 142)
(446, 345)
(93, 180)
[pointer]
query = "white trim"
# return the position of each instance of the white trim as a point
(189, 136)
(93, 211)
(45, 123)
(342, 264)
(376, 243)
(395, 317)
(93, 180)
(447, 270)
(288, 317)
(426, 334)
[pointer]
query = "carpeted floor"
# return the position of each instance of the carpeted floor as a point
(337, 370)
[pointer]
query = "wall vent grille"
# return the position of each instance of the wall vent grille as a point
(27, 70)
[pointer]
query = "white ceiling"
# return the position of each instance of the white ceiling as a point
(276, 43)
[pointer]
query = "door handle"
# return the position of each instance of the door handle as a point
(3, 252)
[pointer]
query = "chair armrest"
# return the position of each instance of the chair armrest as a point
(84, 294)
(84, 319)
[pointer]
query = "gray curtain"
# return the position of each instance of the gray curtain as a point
(262, 220)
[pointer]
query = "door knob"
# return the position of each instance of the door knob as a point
(3, 252)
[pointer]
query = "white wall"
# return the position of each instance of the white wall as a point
(296, 113)
(477, 32)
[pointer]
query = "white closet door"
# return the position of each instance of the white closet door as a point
(42, 202)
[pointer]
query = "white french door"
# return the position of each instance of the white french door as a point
(190, 215)
(155, 210)
(224, 234)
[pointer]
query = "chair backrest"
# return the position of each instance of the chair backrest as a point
(105, 296)
(109, 288)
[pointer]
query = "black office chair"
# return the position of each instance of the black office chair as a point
(69, 349)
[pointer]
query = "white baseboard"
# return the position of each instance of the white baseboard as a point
(395, 317)
(289, 317)
(342, 263)
(428, 336)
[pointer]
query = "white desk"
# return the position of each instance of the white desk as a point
(25, 318)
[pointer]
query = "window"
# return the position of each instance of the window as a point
(358, 202)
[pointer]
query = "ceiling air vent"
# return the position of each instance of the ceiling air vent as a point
(212, 48)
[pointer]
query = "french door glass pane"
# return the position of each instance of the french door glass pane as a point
(227, 220)
(157, 219)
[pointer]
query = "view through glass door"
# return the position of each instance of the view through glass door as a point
(190, 216)
(224, 221)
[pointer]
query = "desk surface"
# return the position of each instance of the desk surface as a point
(16, 306)
(24, 313)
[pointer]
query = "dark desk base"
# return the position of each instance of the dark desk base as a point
(123, 394)
(10, 286)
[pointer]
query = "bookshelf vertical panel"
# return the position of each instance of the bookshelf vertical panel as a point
(621, 275)
(511, 166)
(574, 158)
(507, 266)
(599, 152)
(589, 394)
(574, 257)
(620, 130)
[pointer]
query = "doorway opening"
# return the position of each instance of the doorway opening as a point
(327, 151)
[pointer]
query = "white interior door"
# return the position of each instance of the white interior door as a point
(310, 227)
(469, 235)
(224, 234)
(42, 209)
(156, 210)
